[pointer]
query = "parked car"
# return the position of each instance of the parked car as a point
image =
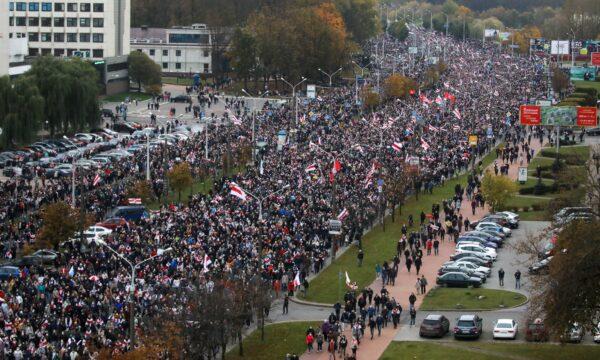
(475, 248)
(60, 170)
(536, 331)
(181, 99)
(471, 259)
(434, 325)
(108, 113)
(468, 326)
(476, 240)
(593, 132)
(541, 267)
(564, 212)
(41, 257)
(129, 213)
(460, 255)
(478, 269)
(124, 127)
(575, 333)
(486, 236)
(98, 230)
(6, 272)
(113, 223)
(596, 333)
(506, 329)
(458, 279)
(461, 269)
(511, 215)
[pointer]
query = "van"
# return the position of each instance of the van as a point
(129, 213)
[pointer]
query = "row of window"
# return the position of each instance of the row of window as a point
(47, 6)
(58, 21)
(70, 37)
(152, 52)
(178, 66)
(95, 53)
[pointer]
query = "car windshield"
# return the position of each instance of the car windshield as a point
(465, 323)
(504, 326)
(430, 322)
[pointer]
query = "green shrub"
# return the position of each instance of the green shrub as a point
(538, 189)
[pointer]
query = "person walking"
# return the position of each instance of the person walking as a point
(360, 257)
(418, 263)
(331, 348)
(372, 324)
(310, 339)
(423, 285)
(518, 279)
(418, 285)
(286, 304)
(412, 299)
(343, 346)
(379, 321)
(436, 246)
(501, 277)
(319, 340)
(413, 315)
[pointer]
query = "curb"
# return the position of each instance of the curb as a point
(294, 299)
(485, 310)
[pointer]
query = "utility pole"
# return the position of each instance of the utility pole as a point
(147, 157)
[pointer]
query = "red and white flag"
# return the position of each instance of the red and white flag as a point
(235, 120)
(97, 179)
(337, 166)
(302, 119)
(455, 127)
(297, 280)
(206, 263)
(424, 99)
(134, 201)
(344, 214)
(439, 101)
(397, 146)
(348, 282)
(424, 144)
(457, 114)
(311, 168)
(237, 191)
(432, 128)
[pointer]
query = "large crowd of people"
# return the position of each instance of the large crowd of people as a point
(329, 164)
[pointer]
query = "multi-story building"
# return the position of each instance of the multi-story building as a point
(95, 29)
(177, 50)
(4, 31)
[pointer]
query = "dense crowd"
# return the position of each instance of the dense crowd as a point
(80, 304)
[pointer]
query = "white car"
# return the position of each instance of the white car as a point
(468, 265)
(476, 249)
(506, 329)
(98, 230)
(487, 225)
(513, 216)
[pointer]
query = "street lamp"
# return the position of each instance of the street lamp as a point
(254, 119)
(430, 18)
(133, 267)
(294, 94)
(362, 68)
(330, 75)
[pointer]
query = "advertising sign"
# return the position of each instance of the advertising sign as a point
(522, 174)
(490, 132)
(559, 47)
(413, 160)
(504, 36)
(473, 140)
(559, 115)
(583, 73)
(311, 91)
(488, 33)
(596, 58)
(587, 116)
(530, 114)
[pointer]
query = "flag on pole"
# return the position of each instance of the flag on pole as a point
(432, 128)
(97, 179)
(260, 168)
(439, 101)
(237, 191)
(397, 146)
(348, 282)
(206, 263)
(457, 114)
(302, 119)
(344, 214)
(424, 99)
(134, 201)
(424, 144)
(337, 166)
(297, 280)
(311, 168)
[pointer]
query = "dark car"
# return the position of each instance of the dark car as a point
(181, 99)
(6, 272)
(458, 279)
(434, 326)
(540, 267)
(107, 113)
(124, 127)
(536, 331)
(459, 256)
(593, 132)
(468, 327)
(129, 213)
(451, 268)
(113, 223)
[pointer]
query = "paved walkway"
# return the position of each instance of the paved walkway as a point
(405, 283)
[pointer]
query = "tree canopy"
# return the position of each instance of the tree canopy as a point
(144, 71)
(21, 111)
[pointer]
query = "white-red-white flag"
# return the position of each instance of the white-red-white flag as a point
(237, 191)
(439, 101)
(337, 166)
(348, 282)
(432, 128)
(457, 114)
(97, 179)
(344, 214)
(424, 145)
(297, 280)
(134, 201)
(206, 263)
(397, 146)
(311, 168)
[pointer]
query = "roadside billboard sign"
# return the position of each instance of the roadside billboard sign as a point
(583, 73)
(559, 47)
(522, 178)
(595, 57)
(311, 91)
(559, 115)
(587, 116)
(530, 114)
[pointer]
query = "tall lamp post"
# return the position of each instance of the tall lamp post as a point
(330, 75)
(447, 26)
(254, 120)
(294, 94)
(133, 267)
(362, 68)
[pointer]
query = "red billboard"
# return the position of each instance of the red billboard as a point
(530, 114)
(596, 58)
(587, 116)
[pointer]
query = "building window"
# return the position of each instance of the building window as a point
(71, 37)
(46, 52)
(34, 37)
(72, 7)
(59, 7)
(206, 54)
(46, 37)
(98, 8)
(20, 21)
(205, 68)
(59, 52)
(33, 6)
(98, 22)
(98, 38)
(71, 22)
(11, 21)
(46, 21)
(33, 52)
(84, 37)
(46, 6)
(21, 6)
(11, 6)
(165, 52)
(165, 65)
(59, 22)
(59, 37)
(177, 52)
(84, 22)
(98, 53)
(33, 21)
(177, 66)
(151, 52)
(84, 7)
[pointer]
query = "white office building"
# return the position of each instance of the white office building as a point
(4, 36)
(95, 29)
(178, 50)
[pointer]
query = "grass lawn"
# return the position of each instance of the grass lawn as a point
(541, 161)
(526, 201)
(531, 181)
(587, 84)
(131, 95)
(447, 299)
(198, 186)
(579, 152)
(400, 350)
(378, 245)
(177, 81)
(540, 215)
(280, 339)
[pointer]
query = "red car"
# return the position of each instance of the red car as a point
(113, 223)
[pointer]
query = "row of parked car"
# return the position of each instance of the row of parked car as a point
(476, 250)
